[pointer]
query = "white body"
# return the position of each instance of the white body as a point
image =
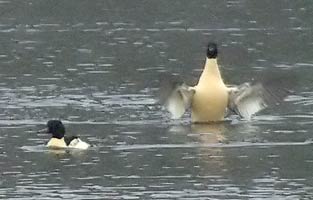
(75, 144)
(78, 144)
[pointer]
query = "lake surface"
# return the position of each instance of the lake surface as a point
(96, 65)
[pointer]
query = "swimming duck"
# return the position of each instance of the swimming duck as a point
(211, 99)
(59, 140)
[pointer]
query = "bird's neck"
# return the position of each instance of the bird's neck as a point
(210, 72)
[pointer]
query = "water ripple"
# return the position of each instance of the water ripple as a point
(203, 145)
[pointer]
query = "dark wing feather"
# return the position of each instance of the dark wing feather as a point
(69, 139)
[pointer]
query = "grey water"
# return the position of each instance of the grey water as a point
(96, 65)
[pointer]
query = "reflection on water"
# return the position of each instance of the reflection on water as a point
(214, 133)
(95, 66)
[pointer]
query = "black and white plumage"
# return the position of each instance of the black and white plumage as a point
(59, 140)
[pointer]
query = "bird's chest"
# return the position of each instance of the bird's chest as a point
(209, 103)
(56, 143)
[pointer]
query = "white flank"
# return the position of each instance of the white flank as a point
(78, 144)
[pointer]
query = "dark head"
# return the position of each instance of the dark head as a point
(56, 128)
(212, 50)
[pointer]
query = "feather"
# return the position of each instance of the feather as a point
(248, 99)
(78, 144)
(176, 96)
(69, 139)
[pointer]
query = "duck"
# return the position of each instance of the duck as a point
(59, 140)
(211, 100)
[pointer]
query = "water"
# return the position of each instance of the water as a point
(96, 66)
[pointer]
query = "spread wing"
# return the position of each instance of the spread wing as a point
(248, 99)
(175, 95)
